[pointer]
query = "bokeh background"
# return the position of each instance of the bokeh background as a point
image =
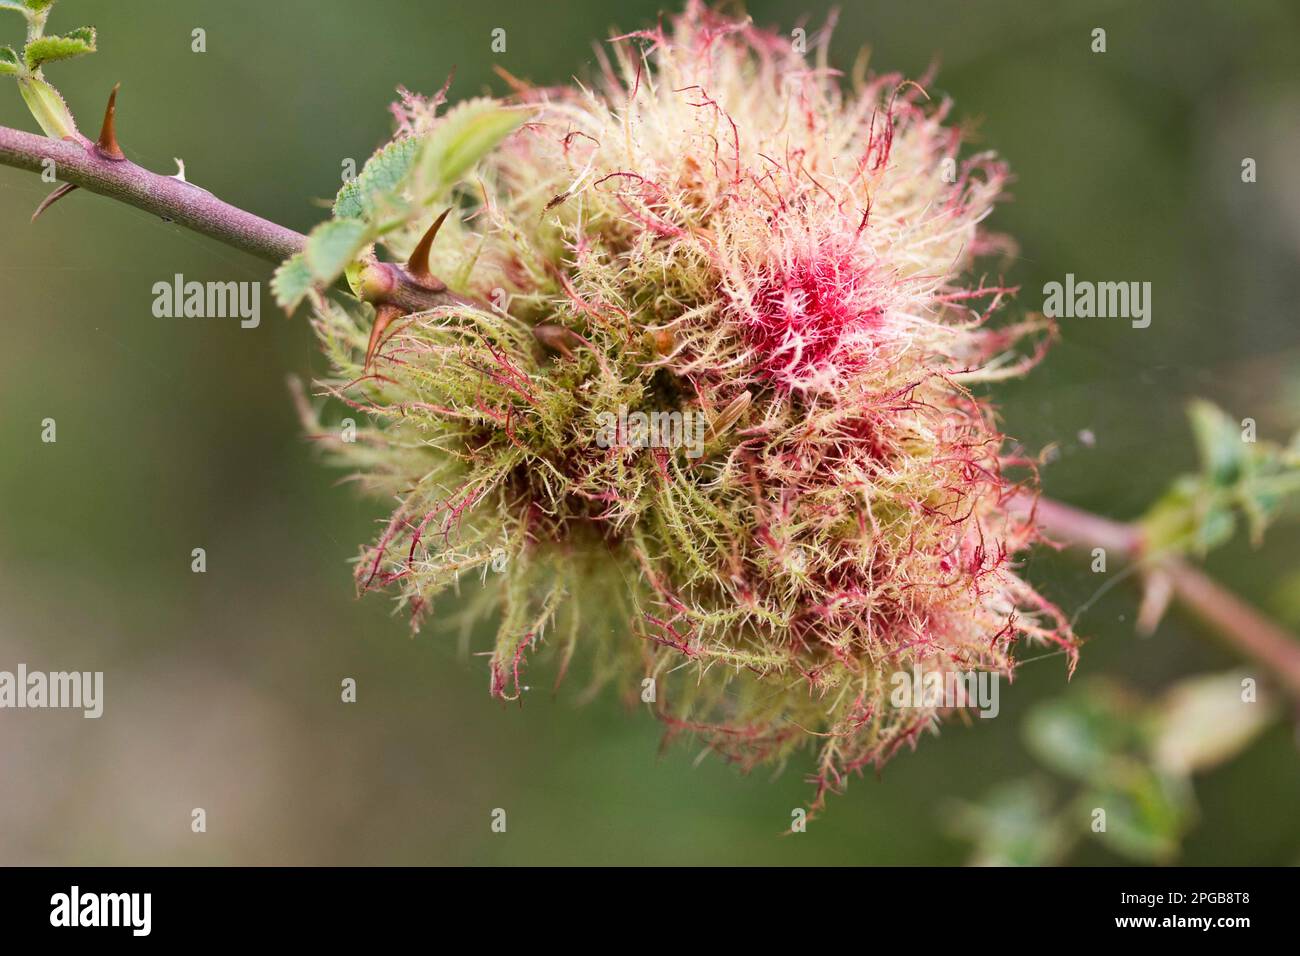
(223, 688)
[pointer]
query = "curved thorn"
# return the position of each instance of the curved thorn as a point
(107, 142)
(384, 316)
(52, 198)
(418, 264)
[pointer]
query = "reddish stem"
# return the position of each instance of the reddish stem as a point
(1245, 628)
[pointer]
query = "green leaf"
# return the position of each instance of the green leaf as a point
(1272, 477)
(383, 175)
(1260, 504)
(26, 7)
(1083, 734)
(332, 246)
(463, 137)
(426, 166)
(1200, 511)
(1215, 527)
(44, 50)
(9, 62)
(1204, 721)
(1219, 442)
(1014, 825)
(291, 282)
(1146, 814)
(1170, 523)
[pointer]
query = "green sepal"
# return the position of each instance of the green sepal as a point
(47, 106)
(353, 274)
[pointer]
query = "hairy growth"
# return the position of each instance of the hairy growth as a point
(723, 227)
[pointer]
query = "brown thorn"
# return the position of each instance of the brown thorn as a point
(52, 198)
(418, 264)
(107, 143)
(384, 316)
(554, 337)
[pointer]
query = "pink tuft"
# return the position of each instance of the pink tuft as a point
(811, 320)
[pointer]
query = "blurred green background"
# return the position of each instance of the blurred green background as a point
(223, 689)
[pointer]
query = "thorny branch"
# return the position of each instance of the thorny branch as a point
(102, 168)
